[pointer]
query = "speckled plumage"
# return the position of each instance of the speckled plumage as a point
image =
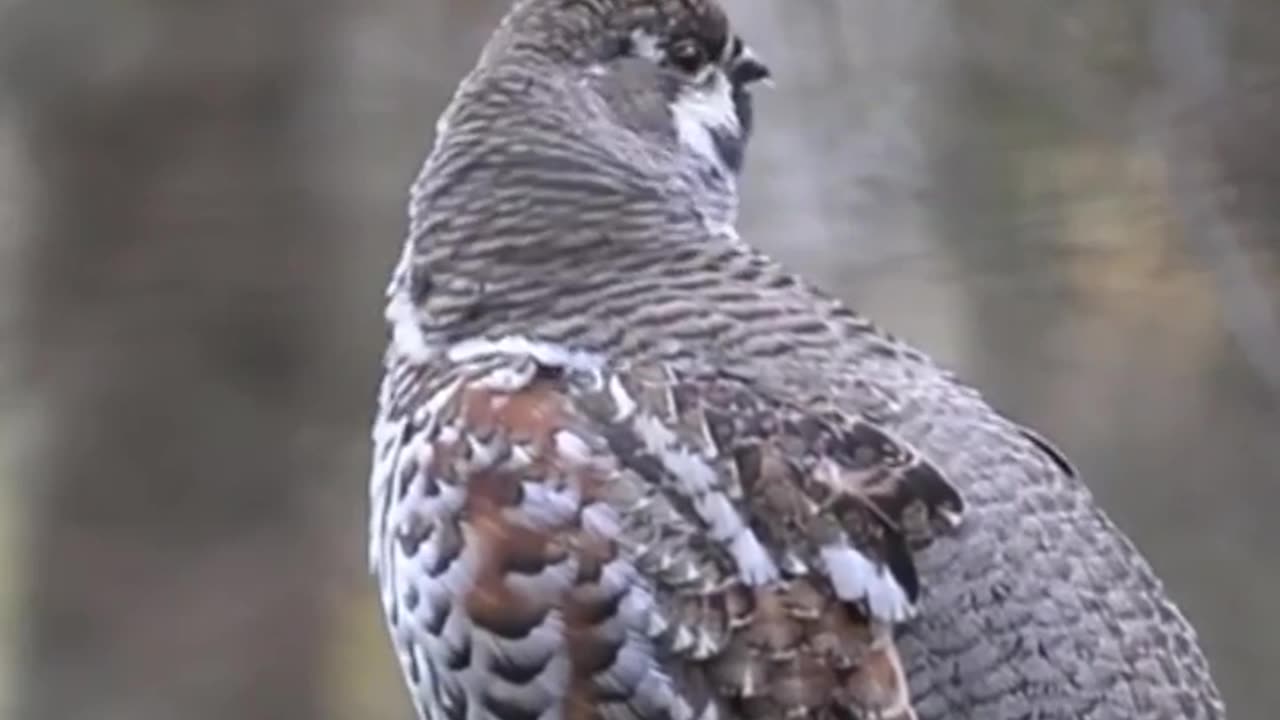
(625, 466)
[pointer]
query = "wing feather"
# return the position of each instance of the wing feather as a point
(558, 536)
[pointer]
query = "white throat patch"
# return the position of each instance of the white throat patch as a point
(703, 111)
(704, 108)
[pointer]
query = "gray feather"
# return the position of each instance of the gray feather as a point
(627, 466)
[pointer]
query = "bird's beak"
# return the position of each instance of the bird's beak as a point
(748, 69)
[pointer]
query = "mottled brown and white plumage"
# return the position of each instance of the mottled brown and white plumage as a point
(627, 467)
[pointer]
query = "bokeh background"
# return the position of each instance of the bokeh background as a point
(1076, 205)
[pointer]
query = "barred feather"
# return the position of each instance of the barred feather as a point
(626, 467)
(569, 535)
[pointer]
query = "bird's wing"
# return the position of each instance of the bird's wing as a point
(559, 536)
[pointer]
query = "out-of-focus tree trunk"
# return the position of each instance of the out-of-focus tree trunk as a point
(1190, 51)
(1219, 136)
(176, 293)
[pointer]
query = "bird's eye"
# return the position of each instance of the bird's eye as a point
(687, 54)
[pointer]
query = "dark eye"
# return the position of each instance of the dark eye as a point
(687, 54)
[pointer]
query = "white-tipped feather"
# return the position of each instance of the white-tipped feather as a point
(572, 448)
(682, 640)
(855, 578)
(621, 399)
(508, 378)
(401, 314)
(601, 520)
(386, 459)
(545, 353)
(546, 507)
(723, 520)
(754, 564)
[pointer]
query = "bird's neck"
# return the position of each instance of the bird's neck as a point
(534, 210)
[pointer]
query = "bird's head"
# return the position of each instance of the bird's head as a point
(680, 56)
(592, 135)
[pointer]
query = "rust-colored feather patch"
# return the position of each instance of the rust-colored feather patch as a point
(652, 543)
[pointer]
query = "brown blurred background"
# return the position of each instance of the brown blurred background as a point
(1076, 206)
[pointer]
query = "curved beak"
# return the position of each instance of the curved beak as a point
(748, 69)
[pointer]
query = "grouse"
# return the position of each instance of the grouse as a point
(627, 467)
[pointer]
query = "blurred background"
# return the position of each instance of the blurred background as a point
(1077, 206)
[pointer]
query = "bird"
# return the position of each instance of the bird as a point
(626, 466)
